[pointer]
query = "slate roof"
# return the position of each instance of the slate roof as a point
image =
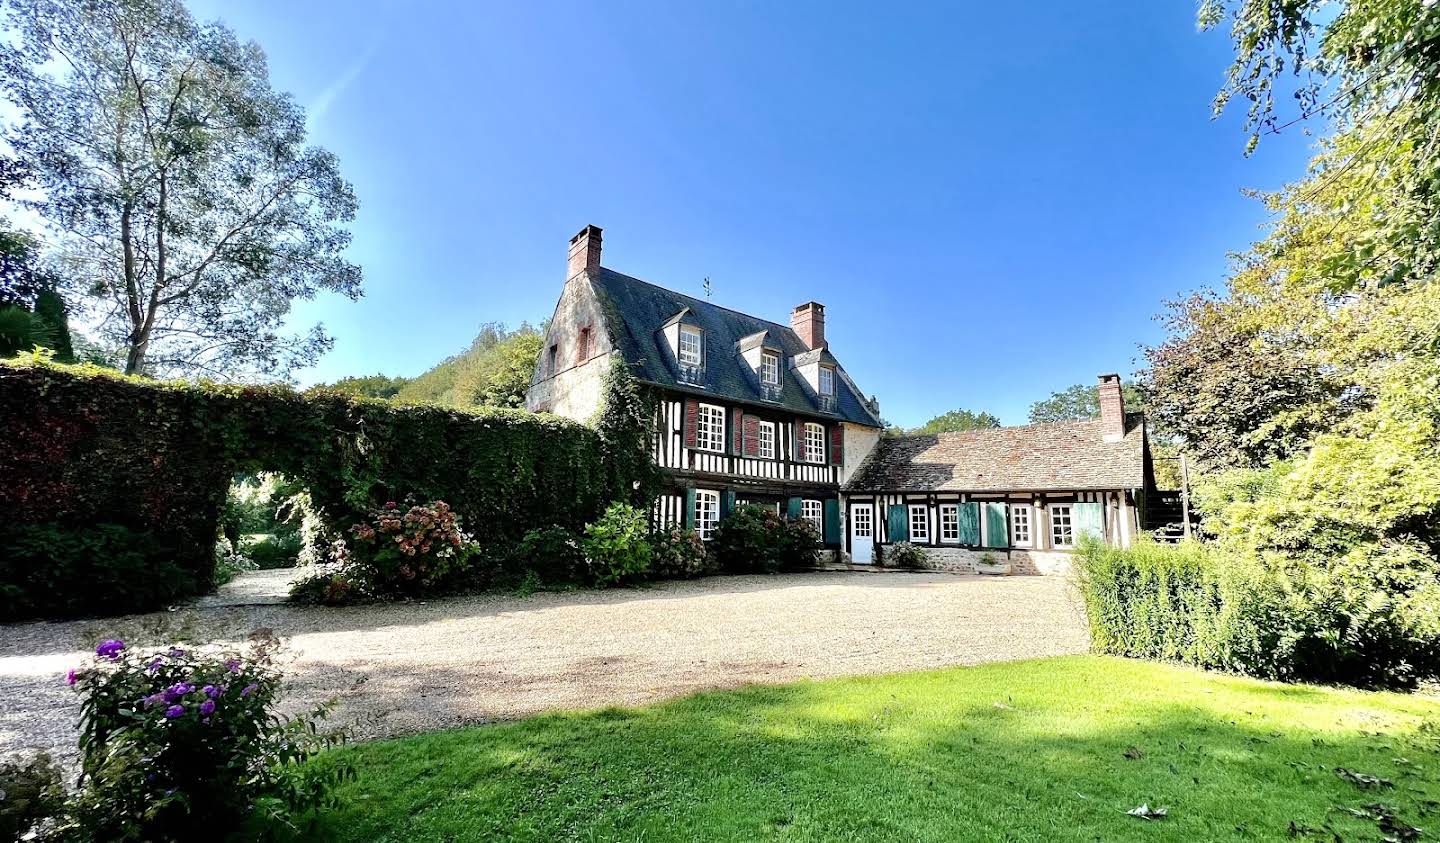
(636, 311)
(1038, 457)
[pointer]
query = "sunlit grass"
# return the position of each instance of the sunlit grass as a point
(1023, 751)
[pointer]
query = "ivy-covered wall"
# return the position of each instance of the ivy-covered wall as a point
(83, 447)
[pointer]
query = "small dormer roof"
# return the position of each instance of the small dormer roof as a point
(759, 339)
(684, 317)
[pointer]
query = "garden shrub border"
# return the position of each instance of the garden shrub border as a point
(86, 445)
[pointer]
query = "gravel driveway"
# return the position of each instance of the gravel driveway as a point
(405, 668)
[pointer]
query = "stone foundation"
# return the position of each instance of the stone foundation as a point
(963, 561)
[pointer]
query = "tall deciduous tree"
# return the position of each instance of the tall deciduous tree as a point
(958, 420)
(1079, 402)
(188, 207)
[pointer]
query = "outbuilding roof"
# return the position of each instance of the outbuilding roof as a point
(1039, 457)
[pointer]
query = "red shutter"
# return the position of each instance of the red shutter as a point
(797, 440)
(736, 424)
(837, 445)
(692, 410)
(751, 444)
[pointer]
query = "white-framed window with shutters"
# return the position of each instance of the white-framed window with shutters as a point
(1020, 525)
(770, 369)
(811, 511)
(710, 428)
(765, 444)
(1062, 525)
(707, 512)
(950, 523)
(814, 442)
(919, 523)
(827, 380)
(689, 350)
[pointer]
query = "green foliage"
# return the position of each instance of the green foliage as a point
(269, 551)
(904, 555)
(70, 460)
(180, 180)
(680, 554)
(957, 421)
(1080, 402)
(753, 539)
(1362, 618)
(31, 795)
(368, 386)
(617, 545)
(549, 555)
(174, 741)
(71, 570)
(626, 423)
(495, 371)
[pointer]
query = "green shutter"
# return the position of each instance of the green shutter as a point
(690, 508)
(899, 525)
(1089, 520)
(997, 526)
(969, 515)
(727, 504)
(832, 522)
(793, 508)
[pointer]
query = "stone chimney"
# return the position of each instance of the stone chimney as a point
(584, 251)
(1112, 408)
(808, 320)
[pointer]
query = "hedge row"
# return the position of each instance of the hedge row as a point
(84, 447)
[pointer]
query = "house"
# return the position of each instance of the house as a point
(1023, 493)
(753, 411)
(749, 411)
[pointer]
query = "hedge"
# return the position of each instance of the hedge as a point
(84, 446)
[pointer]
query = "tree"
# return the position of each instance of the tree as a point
(190, 212)
(368, 386)
(956, 421)
(1079, 402)
(495, 371)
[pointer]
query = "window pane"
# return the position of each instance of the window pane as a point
(814, 443)
(919, 523)
(770, 369)
(811, 511)
(710, 428)
(689, 347)
(767, 440)
(707, 512)
(1062, 528)
(827, 381)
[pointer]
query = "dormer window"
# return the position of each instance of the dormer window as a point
(770, 369)
(827, 381)
(688, 351)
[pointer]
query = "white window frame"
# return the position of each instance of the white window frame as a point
(707, 512)
(827, 380)
(950, 523)
(863, 521)
(1022, 525)
(769, 368)
(1057, 528)
(814, 512)
(919, 516)
(765, 441)
(688, 356)
(814, 444)
(710, 428)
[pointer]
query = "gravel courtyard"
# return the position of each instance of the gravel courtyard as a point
(398, 669)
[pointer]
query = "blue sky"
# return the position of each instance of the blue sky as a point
(991, 199)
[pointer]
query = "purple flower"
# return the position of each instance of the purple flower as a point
(174, 711)
(176, 691)
(248, 689)
(71, 676)
(232, 665)
(207, 708)
(155, 699)
(176, 652)
(154, 664)
(110, 649)
(210, 691)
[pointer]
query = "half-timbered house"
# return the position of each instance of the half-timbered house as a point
(750, 411)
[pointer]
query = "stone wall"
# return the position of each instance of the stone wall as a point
(963, 561)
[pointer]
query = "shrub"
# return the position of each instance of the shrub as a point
(617, 545)
(272, 550)
(550, 554)
(174, 742)
(904, 555)
(230, 561)
(753, 539)
(680, 554)
(53, 569)
(31, 796)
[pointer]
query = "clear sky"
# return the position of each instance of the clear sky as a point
(992, 199)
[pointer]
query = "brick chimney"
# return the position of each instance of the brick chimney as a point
(808, 320)
(1112, 408)
(584, 251)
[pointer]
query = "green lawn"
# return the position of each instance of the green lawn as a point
(1024, 751)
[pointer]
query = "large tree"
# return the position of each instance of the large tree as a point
(956, 421)
(1077, 403)
(187, 206)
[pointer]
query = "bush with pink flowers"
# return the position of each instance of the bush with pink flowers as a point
(174, 741)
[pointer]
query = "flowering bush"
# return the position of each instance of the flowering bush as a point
(174, 741)
(903, 555)
(549, 555)
(754, 539)
(680, 554)
(31, 796)
(394, 552)
(617, 545)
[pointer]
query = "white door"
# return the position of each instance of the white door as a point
(862, 532)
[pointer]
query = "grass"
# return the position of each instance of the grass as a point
(1053, 749)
